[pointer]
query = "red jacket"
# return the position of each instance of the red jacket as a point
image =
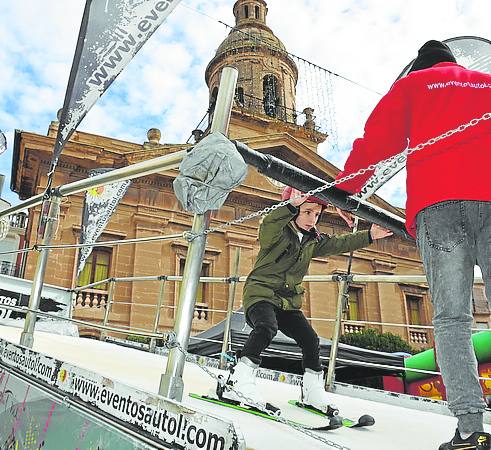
(421, 106)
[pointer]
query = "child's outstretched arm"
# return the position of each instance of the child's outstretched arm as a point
(337, 244)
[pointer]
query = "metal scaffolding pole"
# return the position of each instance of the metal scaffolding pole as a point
(336, 335)
(160, 301)
(171, 383)
(299, 179)
(109, 305)
(230, 308)
(47, 219)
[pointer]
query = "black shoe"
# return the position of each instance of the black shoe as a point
(476, 441)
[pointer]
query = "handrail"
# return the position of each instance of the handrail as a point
(140, 169)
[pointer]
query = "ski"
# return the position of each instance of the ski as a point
(333, 424)
(363, 421)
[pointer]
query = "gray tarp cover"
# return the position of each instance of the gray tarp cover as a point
(208, 173)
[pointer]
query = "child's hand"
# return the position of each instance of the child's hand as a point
(346, 216)
(378, 232)
(298, 201)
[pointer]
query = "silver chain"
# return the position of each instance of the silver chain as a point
(190, 236)
(262, 407)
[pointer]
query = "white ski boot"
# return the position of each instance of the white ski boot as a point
(243, 380)
(314, 394)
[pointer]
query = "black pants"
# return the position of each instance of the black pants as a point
(266, 319)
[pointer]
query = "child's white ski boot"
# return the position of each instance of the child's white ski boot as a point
(314, 395)
(244, 390)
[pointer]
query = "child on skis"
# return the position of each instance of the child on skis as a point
(273, 294)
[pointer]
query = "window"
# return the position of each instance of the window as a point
(354, 309)
(271, 99)
(205, 272)
(257, 12)
(239, 96)
(213, 99)
(413, 304)
(246, 12)
(482, 325)
(7, 268)
(96, 268)
(213, 102)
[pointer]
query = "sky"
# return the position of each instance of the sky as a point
(369, 42)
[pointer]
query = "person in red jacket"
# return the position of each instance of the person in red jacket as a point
(448, 206)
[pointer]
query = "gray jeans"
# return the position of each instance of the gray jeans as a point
(452, 237)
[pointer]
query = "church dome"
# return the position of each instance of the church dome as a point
(250, 28)
(250, 36)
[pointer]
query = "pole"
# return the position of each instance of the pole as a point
(303, 181)
(171, 383)
(47, 219)
(230, 307)
(335, 336)
(343, 304)
(153, 341)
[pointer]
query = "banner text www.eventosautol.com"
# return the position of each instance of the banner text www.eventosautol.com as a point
(147, 417)
(454, 83)
(162, 419)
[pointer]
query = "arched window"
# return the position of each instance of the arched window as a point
(239, 96)
(213, 99)
(246, 12)
(257, 12)
(271, 100)
(213, 102)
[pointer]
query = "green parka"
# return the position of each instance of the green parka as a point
(283, 260)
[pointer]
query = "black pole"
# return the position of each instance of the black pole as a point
(299, 179)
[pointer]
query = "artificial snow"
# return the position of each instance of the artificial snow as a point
(396, 427)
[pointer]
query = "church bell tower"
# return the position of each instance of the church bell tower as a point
(266, 87)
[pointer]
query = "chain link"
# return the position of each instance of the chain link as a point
(261, 407)
(487, 116)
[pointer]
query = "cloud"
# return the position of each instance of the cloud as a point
(367, 41)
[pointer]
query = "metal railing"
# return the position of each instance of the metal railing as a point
(415, 334)
(249, 103)
(255, 106)
(106, 303)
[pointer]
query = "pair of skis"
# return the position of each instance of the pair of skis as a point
(334, 421)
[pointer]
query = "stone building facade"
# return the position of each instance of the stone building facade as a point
(263, 117)
(12, 236)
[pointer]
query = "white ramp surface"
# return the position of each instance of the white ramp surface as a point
(396, 427)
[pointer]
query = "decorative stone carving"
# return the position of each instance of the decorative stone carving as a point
(154, 135)
(381, 267)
